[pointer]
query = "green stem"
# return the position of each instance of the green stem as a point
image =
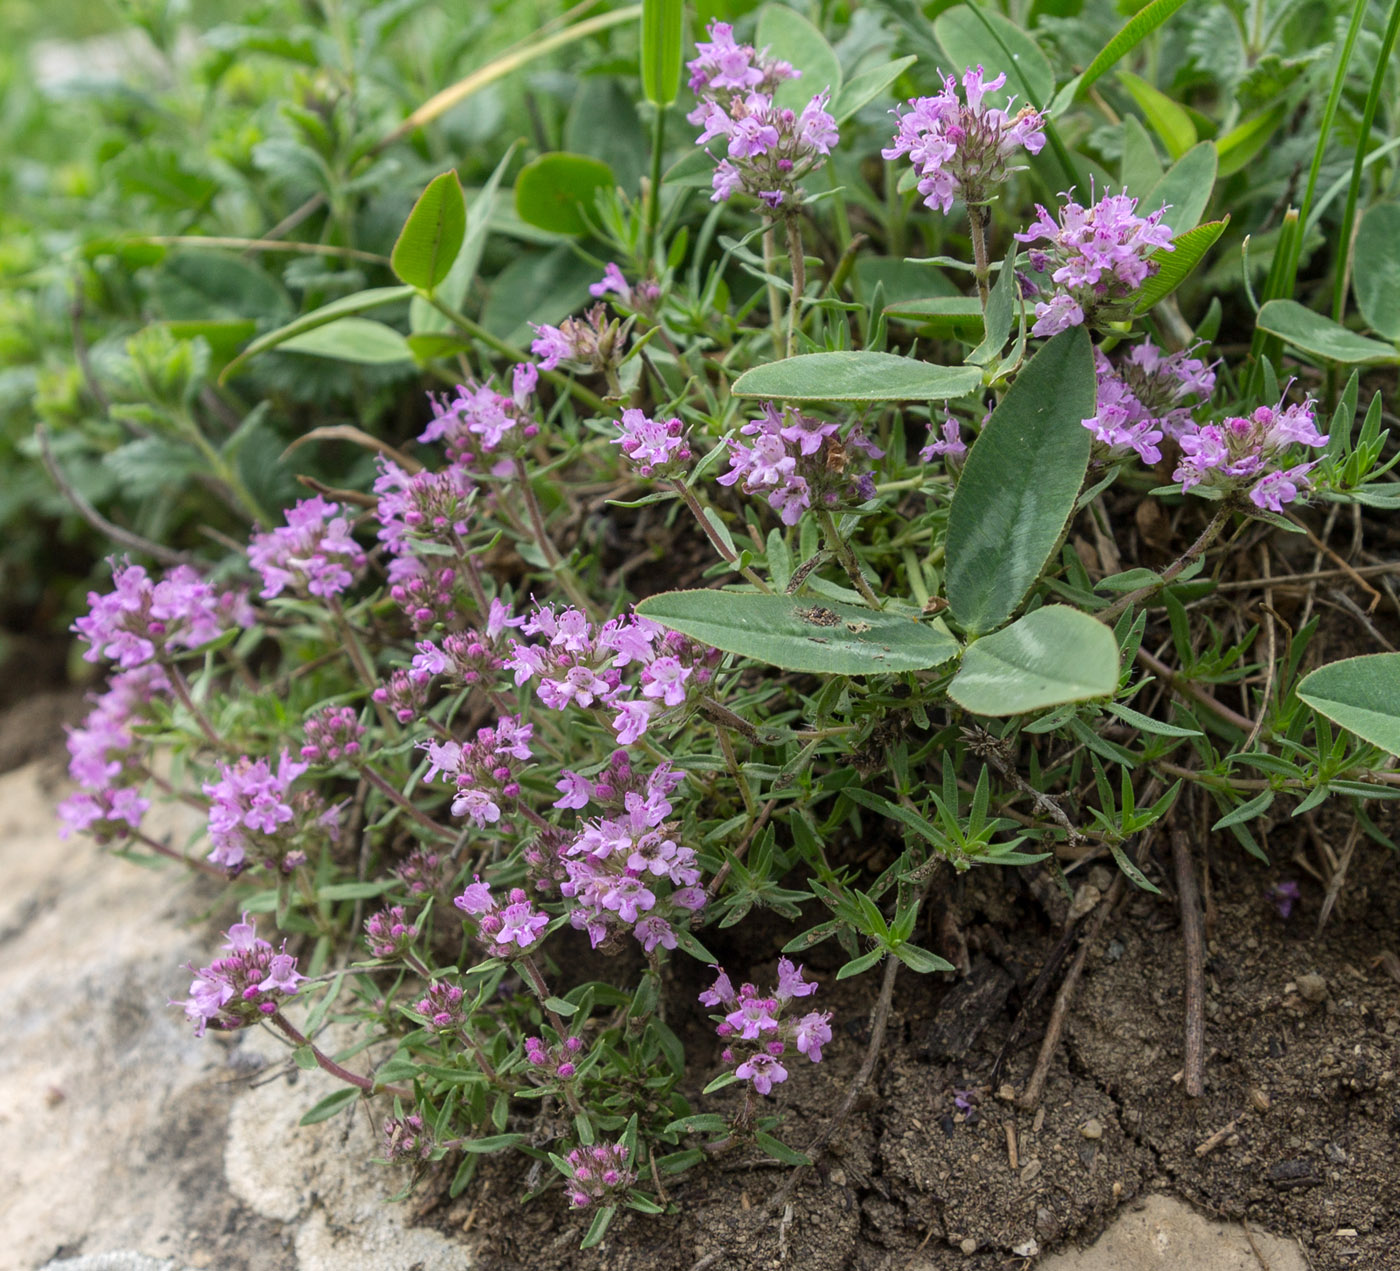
(775, 299)
(182, 691)
(846, 556)
(367, 1084)
(568, 580)
(798, 263)
(400, 800)
(979, 218)
(688, 496)
(1172, 571)
(658, 137)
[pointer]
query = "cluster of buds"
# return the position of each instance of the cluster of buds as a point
(1097, 257)
(405, 693)
(483, 770)
(599, 1173)
(655, 447)
(758, 1030)
(248, 985)
(422, 871)
(1238, 453)
(769, 148)
(960, 147)
(406, 1139)
(798, 462)
(313, 553)
(422, 507)
(466, 657)
(253, 813)
(143, 620)
(479, 427)
(643, 298)
(1148, 396)
(516, 925)
(333, 734)
(593, 341)
(390, 933)
(442, 1006)
(554, 1061)
(624, 870)
(427, 592)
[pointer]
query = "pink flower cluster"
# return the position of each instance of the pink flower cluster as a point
(516, 925)
(253, 812)
(769, 147)
(592, 340)
(465, 657)
(1148, 396)
(143, 620)
(554, 1061)
(959, 146)
(483, 771)
(312, 553)
(1238, 453)
(389, 932)
(657, 448)
(576, 665)
(479, 427)
(624, 870)
(406, 1139)
(333, 734)
(599, 1173)
(761, 1028)
(106, 757)
(1097, 258)
(248, 985)
(796, 462)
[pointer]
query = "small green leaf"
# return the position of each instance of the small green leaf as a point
(1362, 695)
(352, 340)
(1168, 120)
(662, 23)
(492, 1143)
(1376, 275)
(560, 1007)
(432, 235)
(921, 960)
(862, 963)
(1185, 189)
(943, 317)
(866, 87)
(1175, 266)
(1137, 28)
(360, 302)
(1322, 337)
(827, 638)
(779, 1150)
(856, 377)
(326, 1108)
(598, 1228)
(700, 1123)
(1020, 484)
(1244, 141)
(1141, 169)
(556, 191)
(789, 36)
(975, 36)
(1048, 658)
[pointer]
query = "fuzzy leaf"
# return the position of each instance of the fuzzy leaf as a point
(856, 377)
(1362, 695)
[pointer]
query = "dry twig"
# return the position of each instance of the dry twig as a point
(1193, 937)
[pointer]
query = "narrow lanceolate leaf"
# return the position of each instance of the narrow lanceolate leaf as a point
(1168, 120)
(432, 235)
(1175, 266)
(1050, 657)
(1134, 31)
(353, 340)
(822, 637)
(1320, 336)
(1185, 189)
(360, 302)
(856, 377)
(662, 21)
(1362, 695)
(1020, 484)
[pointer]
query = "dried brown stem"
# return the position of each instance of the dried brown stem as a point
(1193, 938)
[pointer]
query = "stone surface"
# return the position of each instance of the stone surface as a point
(1165, 1234)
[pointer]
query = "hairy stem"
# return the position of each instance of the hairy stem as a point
(798, 265)
(775, 298)
(846, 556)
(1172, 571)
(698, 512)
(399, 800)
(566, 576)
(324, 1061)
(979, 219)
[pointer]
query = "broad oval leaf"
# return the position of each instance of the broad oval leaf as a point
(1376, 275)
(1050, 657)
(823, 637)
(556, 191)
(789, 36)
(942, 317)
(973, 36)
(432, 235)
(1320, 336)
(1362, 695)
(1185, 189)
(360, 302)
(353, 340)
(860, 376)
(1175, 266)
(1019, 486)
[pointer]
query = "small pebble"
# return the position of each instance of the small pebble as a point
(969, 1246)
(1085, 899)
(1092, 1128)
(1007, 1093)
(1260, 1099)
(1312, 988)
(1030, 1170)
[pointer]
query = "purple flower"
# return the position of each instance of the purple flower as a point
(655, 447)
(790, 982)
(476, 899)
(251, 809)
(248, 985)
(600, 1173)
(964, 148)
(551, 346)
(520, 923)
(949, 444)
(812, 1033)
(1097, 258)
(389, 932)
(1142, 400)
(763, 1070)
(1249, 452)
(313, 552)
(1283, 896)
(720, 993)
(653, 931)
